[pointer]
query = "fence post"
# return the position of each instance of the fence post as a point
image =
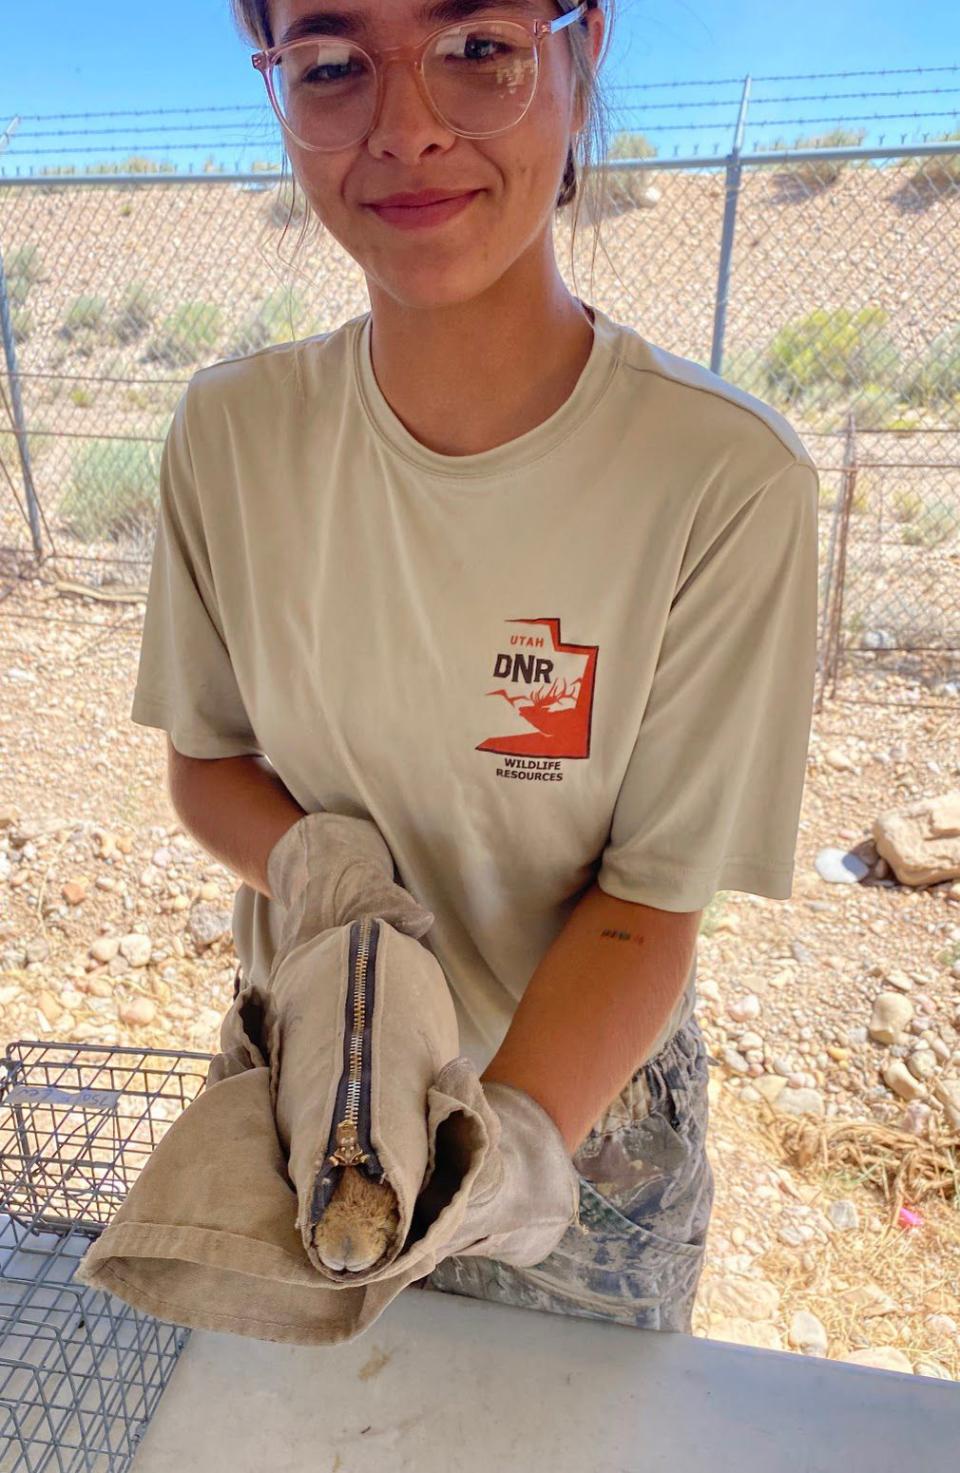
(19, 425)
(734, 170)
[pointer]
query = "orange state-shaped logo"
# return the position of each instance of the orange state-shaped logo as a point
(547, 687)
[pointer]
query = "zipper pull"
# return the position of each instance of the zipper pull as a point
(348, 1152)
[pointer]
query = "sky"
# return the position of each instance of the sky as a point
(674, 71)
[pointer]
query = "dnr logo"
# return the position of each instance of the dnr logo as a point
(541, 693)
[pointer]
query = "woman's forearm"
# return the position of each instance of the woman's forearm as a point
(594, 1006)
(235, 807)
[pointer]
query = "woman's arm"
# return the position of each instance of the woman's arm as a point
(235, 807)
(593, 1007)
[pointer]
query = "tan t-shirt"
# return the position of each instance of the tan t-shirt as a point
(586, 654)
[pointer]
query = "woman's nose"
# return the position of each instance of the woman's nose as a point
(405, 118)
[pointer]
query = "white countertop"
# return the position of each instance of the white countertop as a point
(445, 1384)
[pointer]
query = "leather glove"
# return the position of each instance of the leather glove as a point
(318, 868)
(527, 1192)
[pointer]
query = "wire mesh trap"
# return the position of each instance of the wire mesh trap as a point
(81, 1372)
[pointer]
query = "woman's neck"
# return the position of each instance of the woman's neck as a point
(471, 376)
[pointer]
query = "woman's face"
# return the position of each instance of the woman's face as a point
(517, 173)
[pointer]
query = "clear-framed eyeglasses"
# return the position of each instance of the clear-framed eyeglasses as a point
(479, 77)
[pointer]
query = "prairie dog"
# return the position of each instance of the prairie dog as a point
(360, 1222)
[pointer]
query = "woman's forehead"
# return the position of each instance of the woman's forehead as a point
(293, 19)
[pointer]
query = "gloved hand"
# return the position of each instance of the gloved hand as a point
(322, 866)
(527, 1192)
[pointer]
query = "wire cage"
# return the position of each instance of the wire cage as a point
(81, 1372)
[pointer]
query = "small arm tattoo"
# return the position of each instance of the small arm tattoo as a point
(616, 935)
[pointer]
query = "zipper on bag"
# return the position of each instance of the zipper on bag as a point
(349, 1143)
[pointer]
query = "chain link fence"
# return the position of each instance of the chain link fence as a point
(822, 281)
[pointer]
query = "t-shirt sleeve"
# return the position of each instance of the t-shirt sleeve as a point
(186, 683)
(711, 796)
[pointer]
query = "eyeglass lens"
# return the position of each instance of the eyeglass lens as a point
(480, 77)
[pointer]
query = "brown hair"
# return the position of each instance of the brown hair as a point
(584, 155)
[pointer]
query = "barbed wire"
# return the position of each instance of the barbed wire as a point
(241, 132)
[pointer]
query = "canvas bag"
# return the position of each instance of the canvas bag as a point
(355, 1029)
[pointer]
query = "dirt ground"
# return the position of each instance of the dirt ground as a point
(91, 852)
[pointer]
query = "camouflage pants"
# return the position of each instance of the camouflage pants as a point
(646, 1194)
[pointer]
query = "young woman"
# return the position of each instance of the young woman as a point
(534, 594)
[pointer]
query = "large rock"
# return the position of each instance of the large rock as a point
(891, 1014)
(741, 1298)
(734, 1330)
(921, 842)
(897, 1076)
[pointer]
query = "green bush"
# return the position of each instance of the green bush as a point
(625, 188)
(285, 204)
(83, 315)
(937, 379)
(745, 368)
(18, 289)
(936, 524)
(22, 321)
(284, 317)
(24, 261)
(188, 334)
(114, 489)
(817, 174)
(940, 170)
(134, 315)
(907, 505)
(875, 406)
(832, 347)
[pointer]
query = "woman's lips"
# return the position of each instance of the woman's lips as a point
(413, 217)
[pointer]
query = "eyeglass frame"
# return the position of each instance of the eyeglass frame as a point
(538, 30)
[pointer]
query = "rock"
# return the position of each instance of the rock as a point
(791, 1101)
(932, 1368)
(733, 1330)
(899, 979)
(891, 1014)
(73, 893)
(947, 1091)
(207, 925)
(921, 841)
(105, 948)
(743, 1298)
(922, 1063)
(943, 1324)
(897, 1076)
(38, 950)
(883, 1357)
(137, 1011)
(840, 867)
(49, 1006)
(769, 1086)
(136, 948)
(734, 1060)
(744, 1008)
(807, 1333)
(843, 1215)
(839, 760)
